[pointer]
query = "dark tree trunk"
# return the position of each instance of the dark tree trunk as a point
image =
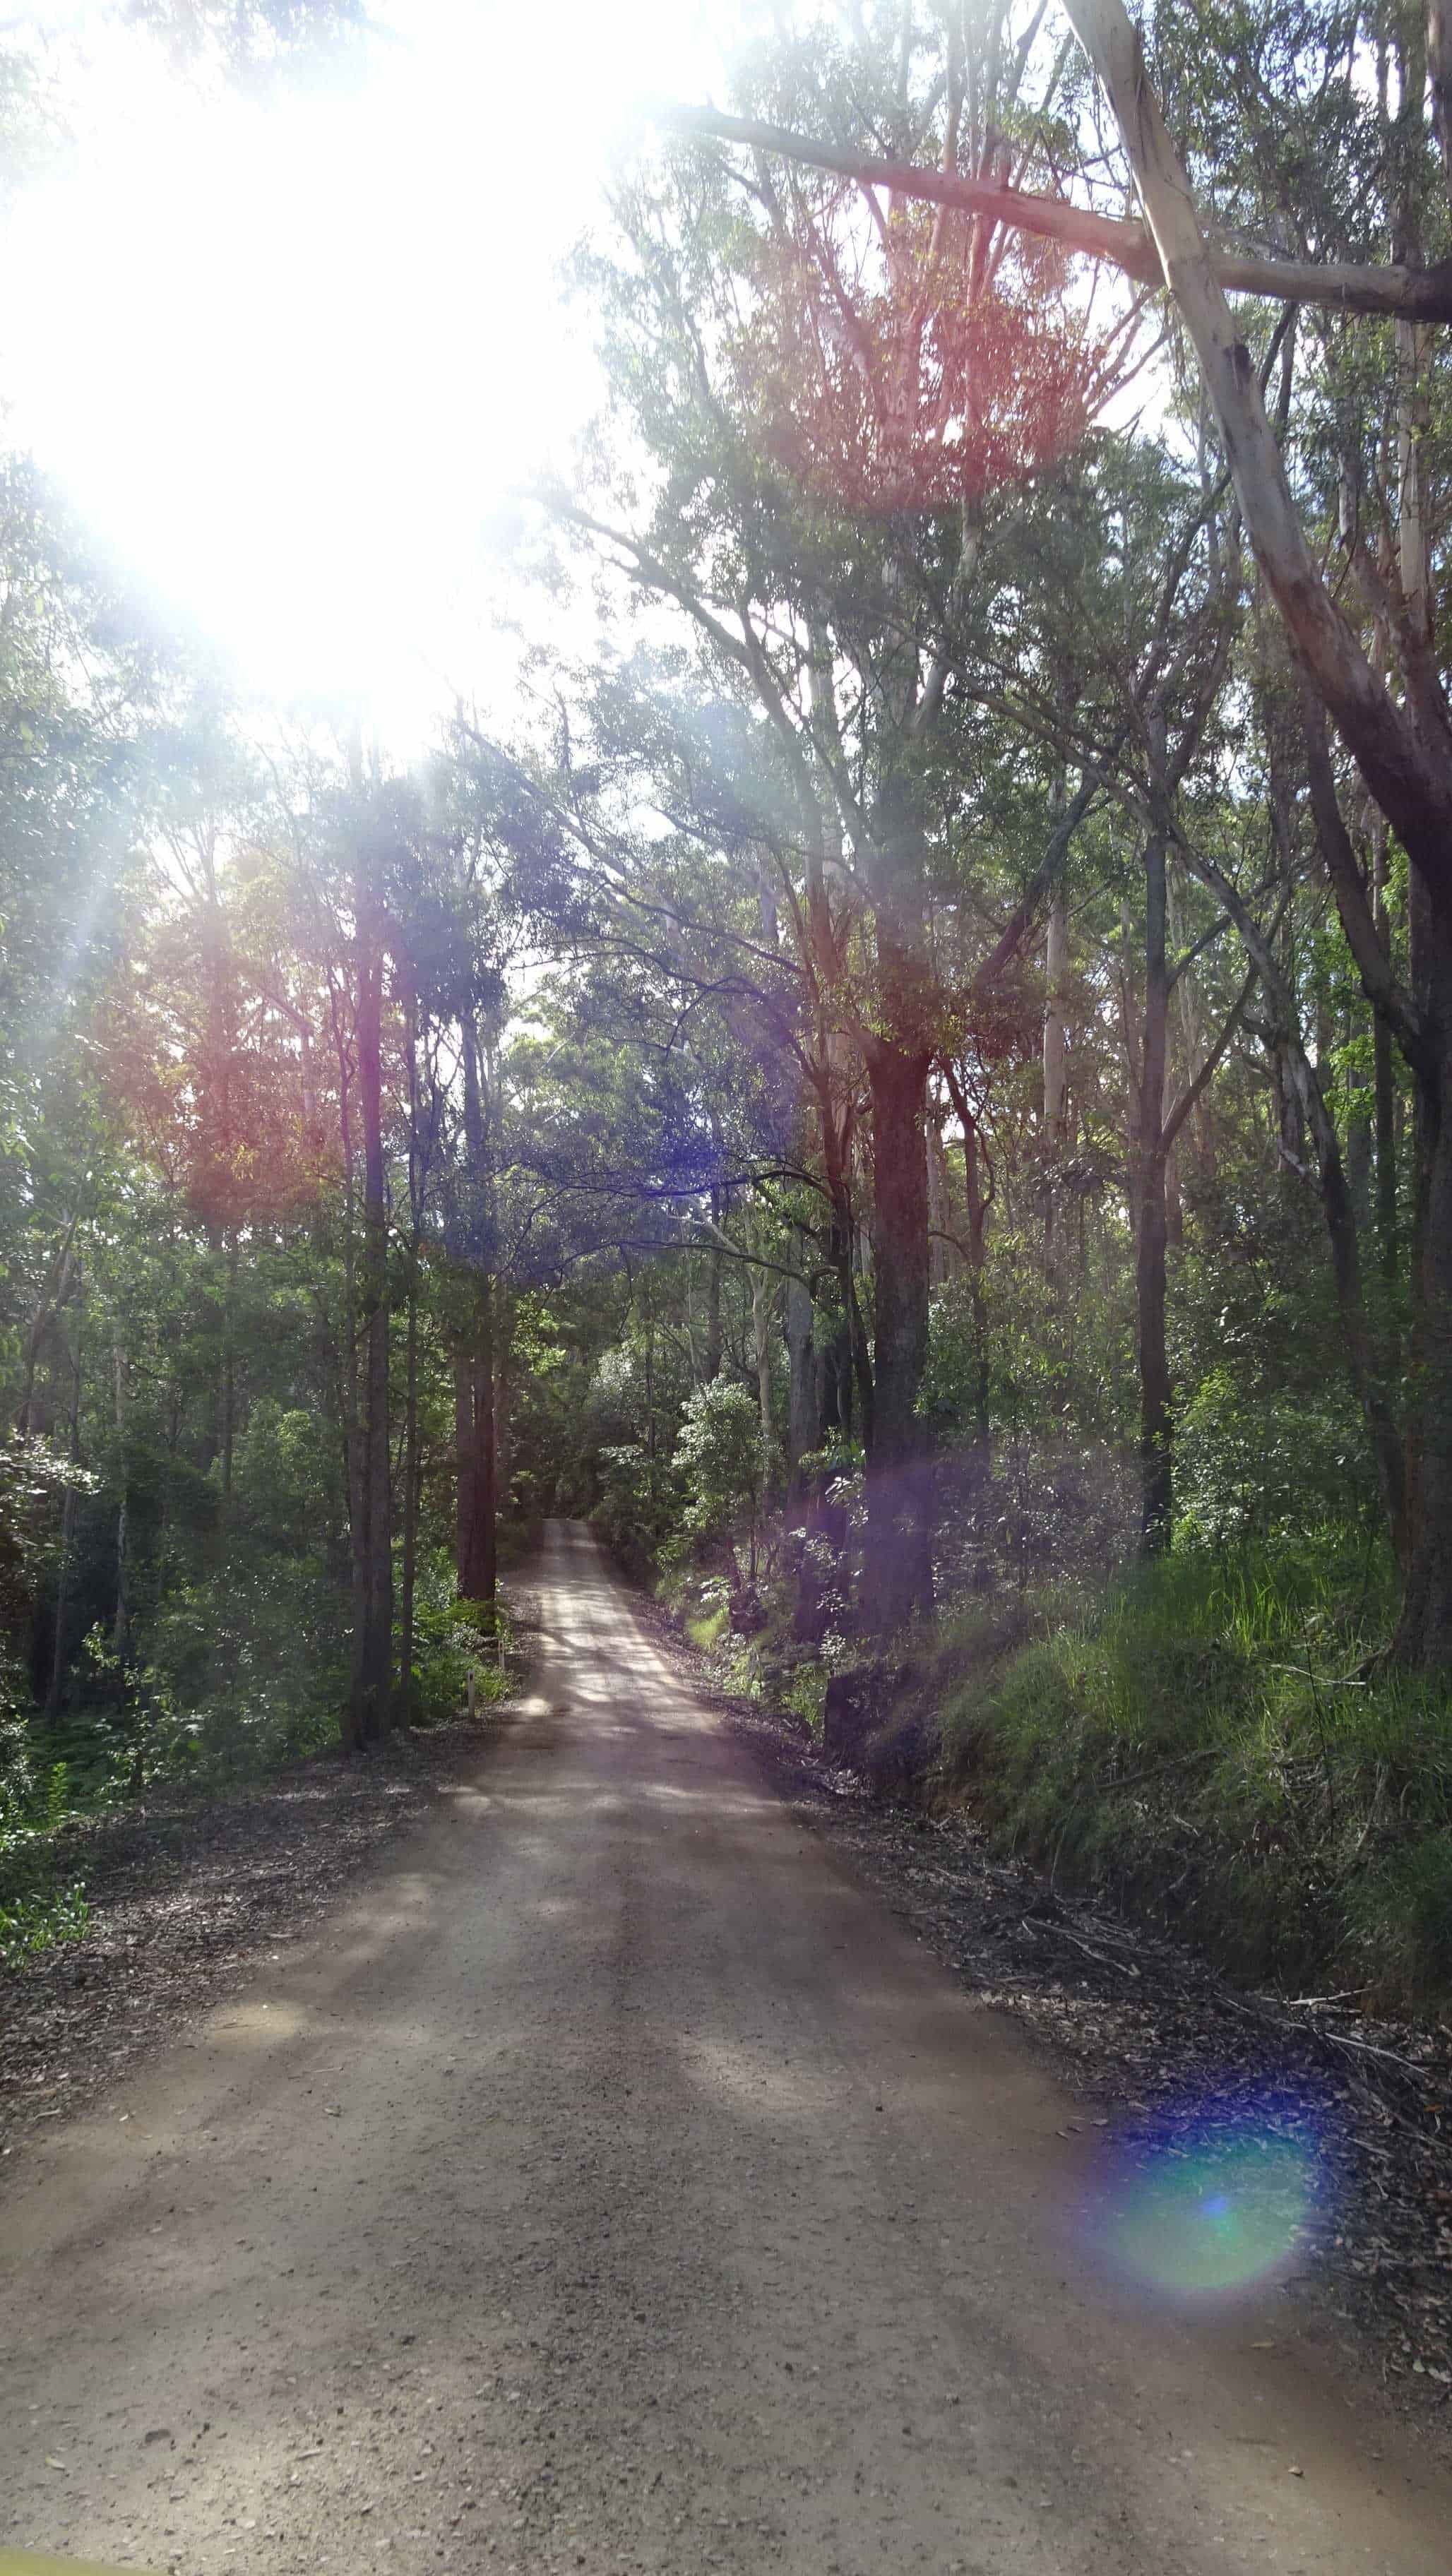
(1424, 1631)
(474, 1377)
(803, 1426)
(477, 1548)
(976, 1251)
(1156, 1458)
(464, 1496)
(411, 1460)
(121, 1620)
(410, 1495)
(56, 1691)
(227, 1403)
(844, 1363)
(711, 1367)
(372, 1676)
(899, 1572)
(1384, 1082)
(503, 1403)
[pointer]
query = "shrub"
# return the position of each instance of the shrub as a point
(719, 1463)
(804, 1693)
(33, 1923)
(708, 1626)
(451, 1640)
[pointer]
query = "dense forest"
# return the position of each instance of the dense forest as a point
(902, 1072)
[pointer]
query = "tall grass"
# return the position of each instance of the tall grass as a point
(1215, 1741)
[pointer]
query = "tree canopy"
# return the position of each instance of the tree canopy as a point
(905, 1064)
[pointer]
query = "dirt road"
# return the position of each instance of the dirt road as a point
(614, 2185)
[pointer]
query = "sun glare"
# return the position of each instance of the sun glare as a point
(289, 358)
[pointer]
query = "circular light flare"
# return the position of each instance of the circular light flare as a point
(287, 357)
(1220, 2195)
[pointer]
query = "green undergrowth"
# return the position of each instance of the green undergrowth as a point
(766, 1667)
(37, 1908)
(206, 1709)
(1215, 1743)
(453, 1639)
(707, 1627)
(698, 1603)
(40, 1920)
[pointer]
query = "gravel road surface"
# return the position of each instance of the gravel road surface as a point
(612, 2183)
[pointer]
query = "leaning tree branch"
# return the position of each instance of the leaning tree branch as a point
(1417, 294)
(1022, 920)
(1196, 1090)
(1407, 776)
(1380, 981)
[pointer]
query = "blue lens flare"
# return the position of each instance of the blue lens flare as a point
(1217, 2193)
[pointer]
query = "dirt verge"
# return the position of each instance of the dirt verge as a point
(1152, 2035)
(184, 1892)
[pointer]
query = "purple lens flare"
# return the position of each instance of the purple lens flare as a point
(1219, 2192)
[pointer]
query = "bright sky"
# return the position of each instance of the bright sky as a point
(290, 359)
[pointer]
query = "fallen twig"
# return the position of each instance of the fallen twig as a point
(1035, 1923)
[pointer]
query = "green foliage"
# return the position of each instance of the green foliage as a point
(718, 1460)
(145, 1734)
(242, 1670)
(1044, 1350)
(1207, 1741)
(283, 1475)
(32, 1475)
(36, 1909)
(1399, 1911)
(1268, 1441)
(804, 1692)
(36, 1922)
(837, 1462)
(707, 1627)
(452, 1639)
(636, 1507)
